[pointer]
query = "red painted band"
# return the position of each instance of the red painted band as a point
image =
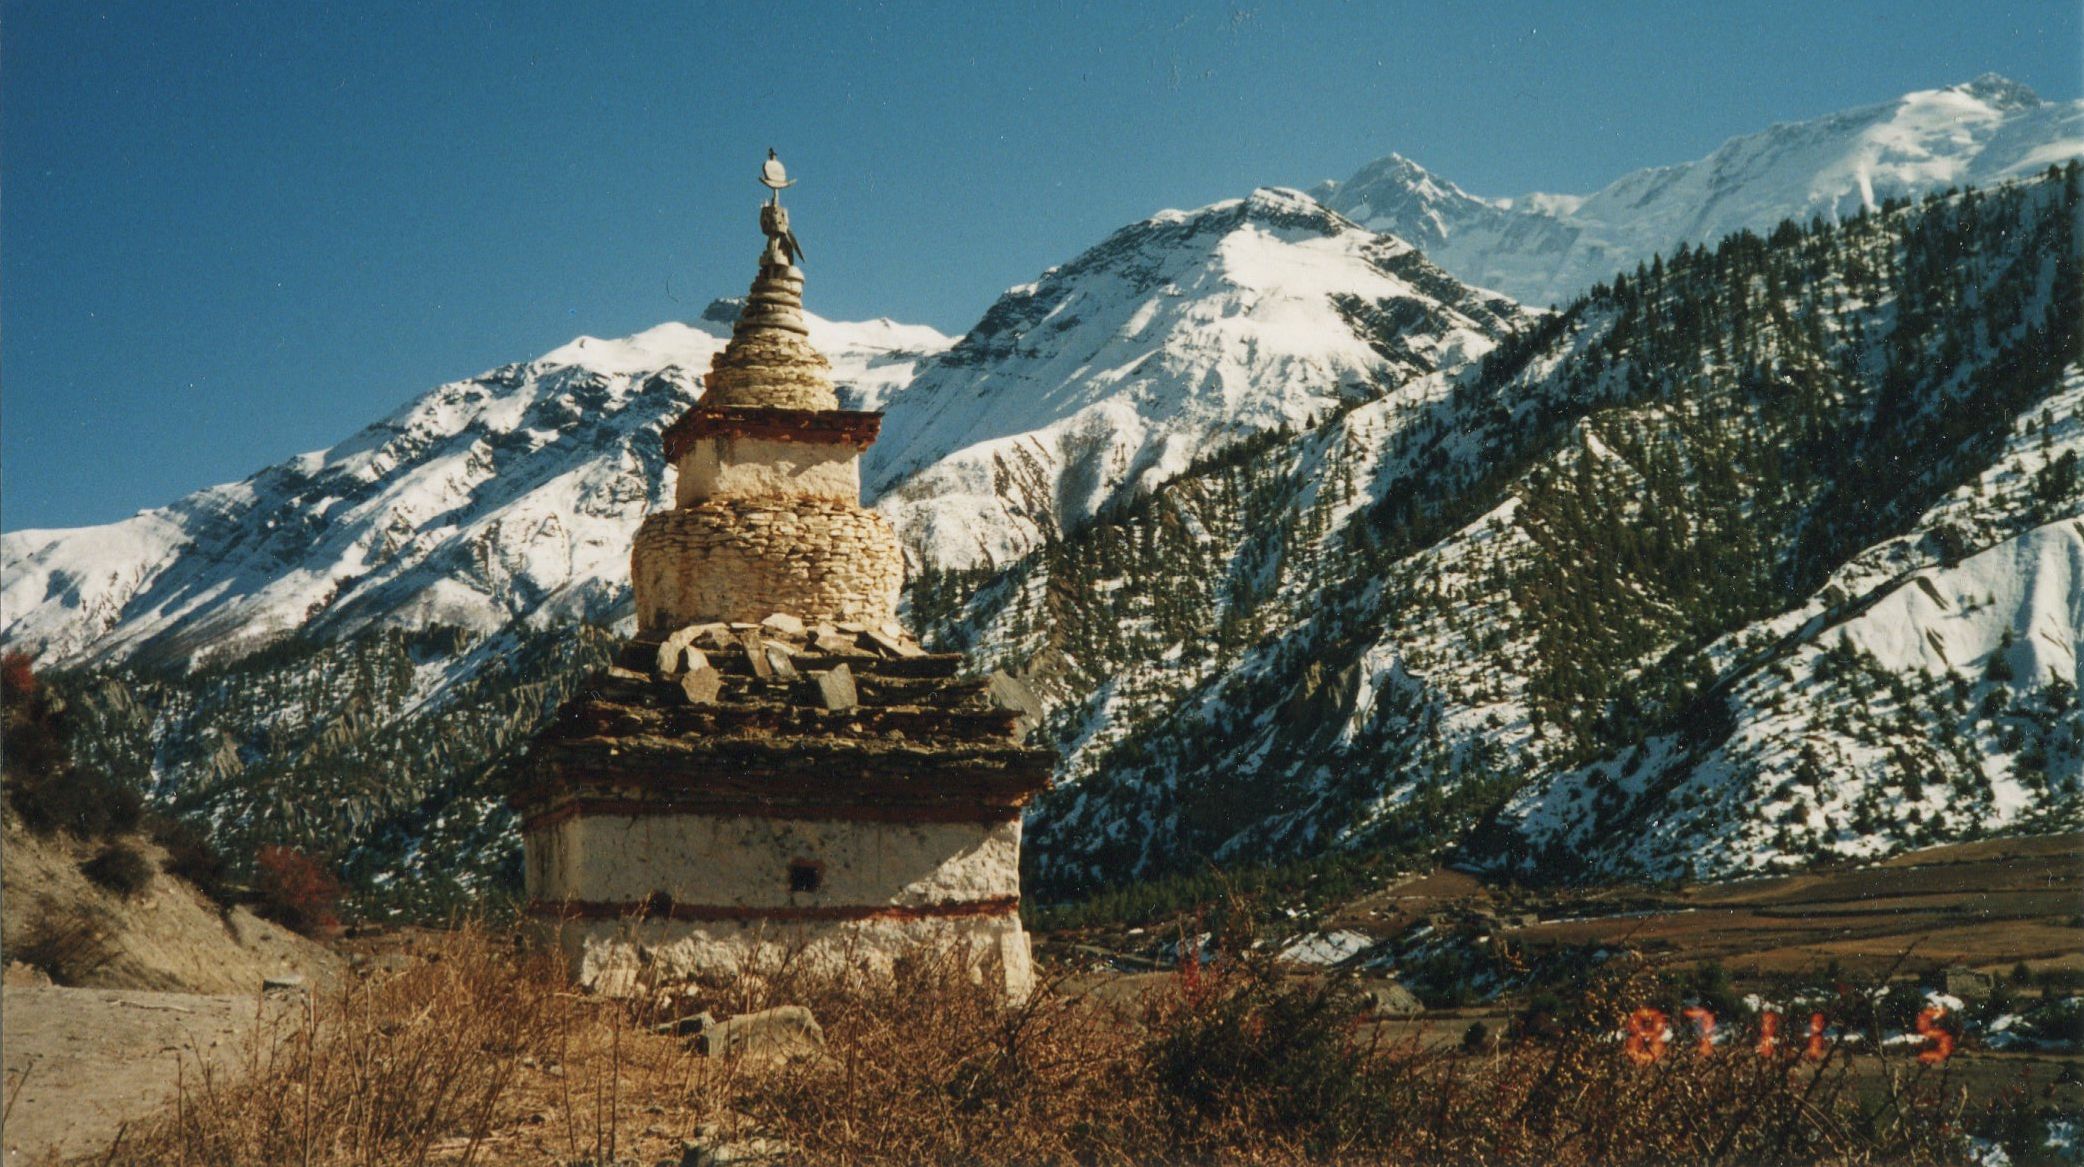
(717, 913)
(856, 428)
(747, 808)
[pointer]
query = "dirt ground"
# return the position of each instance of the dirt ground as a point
(156, 974)
(82, 1063)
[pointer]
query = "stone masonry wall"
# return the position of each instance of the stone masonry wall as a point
(744, 559)
(623, 957)
(739, 862)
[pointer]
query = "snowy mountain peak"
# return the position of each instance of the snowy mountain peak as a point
(1176, 336)
(1398, 173)
(2000, 92)
(1398, 196)
(1549, 248)
(1276, 207)
(663, 346)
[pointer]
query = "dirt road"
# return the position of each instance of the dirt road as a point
(82, 1063)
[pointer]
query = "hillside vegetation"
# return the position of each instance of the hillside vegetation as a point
(1598, 594)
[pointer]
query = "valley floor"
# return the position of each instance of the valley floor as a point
(1988, 905)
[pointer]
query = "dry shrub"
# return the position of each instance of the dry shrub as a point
(1240, 1063)
(191, 856)
(933, 1065)
(386, 1069)
(120, 868)
(480, 1054)
(70, 946)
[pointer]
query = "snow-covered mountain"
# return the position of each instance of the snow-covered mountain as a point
(511, 496)
(1767, 558)
(1544, 249)
(1174, 338)
(1305, 544)
(507, 497)
(428, 589)
(1932, 680)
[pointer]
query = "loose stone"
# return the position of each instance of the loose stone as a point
(702, 685)
(836, 688)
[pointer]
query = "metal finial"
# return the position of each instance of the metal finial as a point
(774, 176)
(782, 247)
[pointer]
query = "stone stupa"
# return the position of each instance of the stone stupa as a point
(774, 766)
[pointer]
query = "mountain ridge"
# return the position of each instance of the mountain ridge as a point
(1173, 337)
(1545, 249)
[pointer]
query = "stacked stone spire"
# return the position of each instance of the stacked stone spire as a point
(773, 765)
(770, 362)
(767, 515)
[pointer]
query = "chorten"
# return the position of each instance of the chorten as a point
(773, 766)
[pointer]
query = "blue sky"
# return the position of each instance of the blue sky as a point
(232, 232)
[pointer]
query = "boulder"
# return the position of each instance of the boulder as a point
(783, 623)
(690, 1026)
(756, 655)
(674, 646)
(783, 1031)
(892, 645)
(745, 1152)
(835, 688)
(778, 660)
(833, 642)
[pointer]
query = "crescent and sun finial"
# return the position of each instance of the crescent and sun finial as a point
(774, 222)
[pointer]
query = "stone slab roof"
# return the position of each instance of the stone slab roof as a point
(782, 718)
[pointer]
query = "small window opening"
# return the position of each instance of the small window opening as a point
(806, 875)
(658, 906)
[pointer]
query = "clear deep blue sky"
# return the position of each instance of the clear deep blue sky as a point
(233, 232)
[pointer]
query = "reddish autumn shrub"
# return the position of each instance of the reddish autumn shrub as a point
(296, 891)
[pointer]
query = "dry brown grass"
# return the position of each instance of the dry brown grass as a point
(482, 1055)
